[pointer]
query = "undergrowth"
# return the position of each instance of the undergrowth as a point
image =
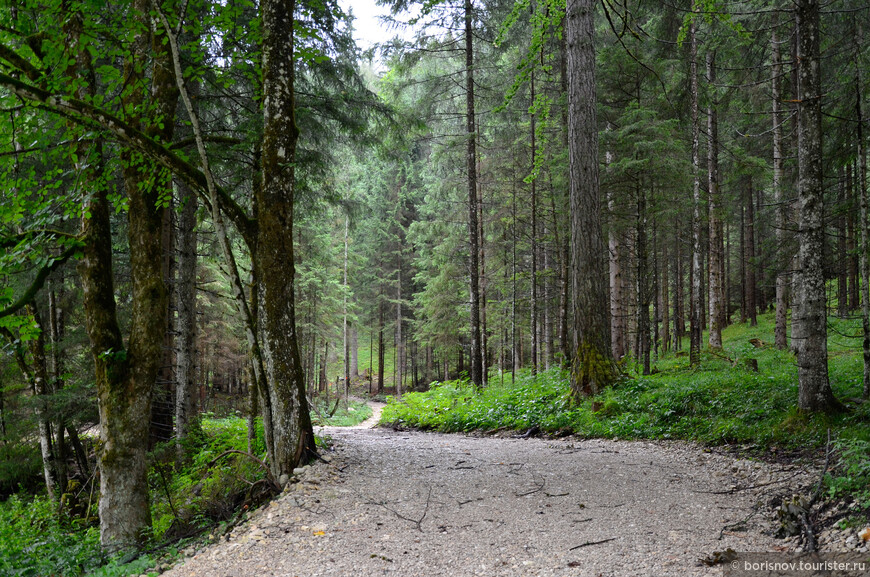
(197, 497)
(344, 416)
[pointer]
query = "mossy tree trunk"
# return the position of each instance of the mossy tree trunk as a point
(274, 256)
(592, 367)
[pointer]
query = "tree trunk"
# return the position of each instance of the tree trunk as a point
(162, 407)
(473, 233)
(617, 313)
(852, 178)
(814, 388)
(679, 293)
(840, 260)
(654, 291)
(780, 337)
(865, 241)
(346, 325)
(185, 323)
(697, 271)
(380, 345)
(716, 294)
(57, 330)
(642, 281)
(400, 345)
(323, 381)
(666, 300)
(564, 246)
(592, 368)
(253, 407)
(749, 258)
(533, 304)
(354, 352)
(125, 376)
(291, 422)
(41, 389)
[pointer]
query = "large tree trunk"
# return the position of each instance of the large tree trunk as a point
(697, 302)
(780, 335)
(564, 246)
(717, 248)
(164, 94)
(592, 368)
(125, 376)
(185, 322)
(473, 233)
(814, 388)
(162, 407)
(533, 326)
(291, 422)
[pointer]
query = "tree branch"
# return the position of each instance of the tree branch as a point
(38, 282)
(87, 114)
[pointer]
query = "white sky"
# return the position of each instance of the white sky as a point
(368, 29)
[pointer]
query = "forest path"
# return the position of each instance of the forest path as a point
(424, 504)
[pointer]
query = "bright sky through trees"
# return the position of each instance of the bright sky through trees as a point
(368, 28)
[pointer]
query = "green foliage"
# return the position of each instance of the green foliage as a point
(212, 485)
(852, 474)
(354, 414)
(37, 542)
(20, 466)
(720, 402)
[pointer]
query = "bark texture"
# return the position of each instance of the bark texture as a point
(592, 367)
(714, 203)
(814, 388)
(697, 302)
(471, 164)
(185, 323)
(780, 335)
(291, 422)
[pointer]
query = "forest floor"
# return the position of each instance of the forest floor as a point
(400, 503)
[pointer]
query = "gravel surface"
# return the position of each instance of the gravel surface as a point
(424, 504)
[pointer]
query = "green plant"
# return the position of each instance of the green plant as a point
(852, 473)
(36, 541)
(355, 413)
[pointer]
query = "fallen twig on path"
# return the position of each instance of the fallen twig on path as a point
(532, 491)
(588, 543)
(417, 522)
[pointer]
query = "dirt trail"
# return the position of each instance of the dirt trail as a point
(406, 504)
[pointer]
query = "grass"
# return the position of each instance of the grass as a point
(719, 402)
(353, 414)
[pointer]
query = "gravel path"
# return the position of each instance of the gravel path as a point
(422, 504)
